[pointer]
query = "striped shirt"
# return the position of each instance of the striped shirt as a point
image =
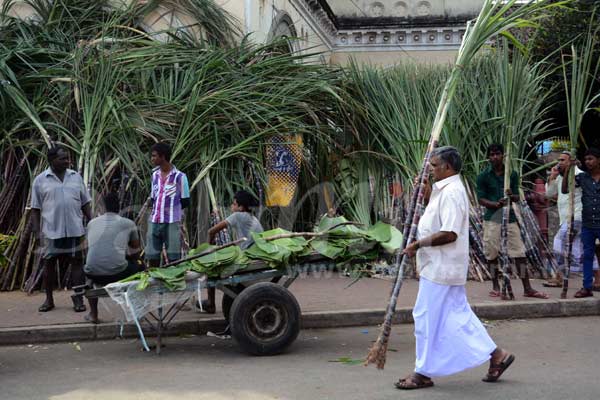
(167, 195)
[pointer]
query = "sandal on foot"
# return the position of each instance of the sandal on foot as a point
(496, 370)
(88, 318)
(78, 305)
(535, 294)
(583, 292)
(595, 288)
(494, 293)
(415, 381)
(46, 307)
(209, 309)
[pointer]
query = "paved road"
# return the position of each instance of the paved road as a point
(556, 359)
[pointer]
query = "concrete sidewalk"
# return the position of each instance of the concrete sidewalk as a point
(326, 301)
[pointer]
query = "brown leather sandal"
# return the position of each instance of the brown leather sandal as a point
(496, 370)
(414, 381)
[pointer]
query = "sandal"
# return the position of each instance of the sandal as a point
(88, 318)
(496, 370)
(553, 283)
(583, 292)
(78, 305)
(414, 381)
(595, 288)
(46, 307)
(536, 294)
(494, 293)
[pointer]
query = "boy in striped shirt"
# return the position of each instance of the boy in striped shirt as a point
(170, 196)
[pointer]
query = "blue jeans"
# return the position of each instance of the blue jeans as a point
(588, 237)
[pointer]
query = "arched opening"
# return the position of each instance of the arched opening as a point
(283, 28)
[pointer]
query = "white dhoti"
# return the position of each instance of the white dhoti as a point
(450, 338)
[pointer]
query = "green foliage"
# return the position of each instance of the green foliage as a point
(85, 74)
(5, 242)
(562, 26)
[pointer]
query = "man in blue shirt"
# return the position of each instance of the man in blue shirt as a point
(589, 182)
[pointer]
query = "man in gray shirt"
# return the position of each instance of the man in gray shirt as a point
(59, 200)
(114, 248)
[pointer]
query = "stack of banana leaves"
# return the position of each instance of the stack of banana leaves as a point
(334, 239)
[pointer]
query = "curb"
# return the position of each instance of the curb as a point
(310, 320)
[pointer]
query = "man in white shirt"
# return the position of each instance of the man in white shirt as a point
(449, 336)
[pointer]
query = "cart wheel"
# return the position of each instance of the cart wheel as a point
(227, 301)
(265, 319)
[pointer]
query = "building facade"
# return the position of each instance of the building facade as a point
(382, 32)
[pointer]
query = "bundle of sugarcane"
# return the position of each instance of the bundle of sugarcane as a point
(476, 250)
(478, 261)
(580, 97)
(532, 252)
(492, 20)
(17, 250)
(507, 292)
(538, 251)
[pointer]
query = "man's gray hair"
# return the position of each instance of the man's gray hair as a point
(450, 156)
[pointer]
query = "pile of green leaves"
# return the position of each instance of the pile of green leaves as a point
(173, 278)
(349, 242)
(213, 264)
(278, 252)
(335, 239)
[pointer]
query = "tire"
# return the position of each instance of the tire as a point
(265, 319)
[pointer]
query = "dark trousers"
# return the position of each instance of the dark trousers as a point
(102, 280)
(588, 238)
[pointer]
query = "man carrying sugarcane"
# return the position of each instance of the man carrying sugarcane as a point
(170, 196)
(589, 182)
(554, 190)
(59, 200)
(490, 191)
(449, 336)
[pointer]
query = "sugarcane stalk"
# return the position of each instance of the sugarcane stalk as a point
(504, 259)
(377, 354)
(223, 235)
(531, 251)
(568, 245)
(19, 251)
(528, 219)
